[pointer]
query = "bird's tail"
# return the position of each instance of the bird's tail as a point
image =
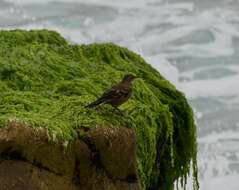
(95, 103)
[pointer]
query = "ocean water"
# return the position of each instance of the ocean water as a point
(194, 44)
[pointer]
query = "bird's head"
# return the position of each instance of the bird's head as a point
(129, 78)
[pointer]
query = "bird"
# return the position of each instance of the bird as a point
(117, 94)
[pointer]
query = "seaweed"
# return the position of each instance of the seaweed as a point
(45, 82)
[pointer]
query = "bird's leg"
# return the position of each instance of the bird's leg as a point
(119, 111)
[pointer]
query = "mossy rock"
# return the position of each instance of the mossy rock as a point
(45, 82)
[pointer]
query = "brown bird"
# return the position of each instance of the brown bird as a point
(116, 95)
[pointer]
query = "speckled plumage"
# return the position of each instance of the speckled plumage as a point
(116, 95)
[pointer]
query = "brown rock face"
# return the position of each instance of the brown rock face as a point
(105, 158)
(21, 175)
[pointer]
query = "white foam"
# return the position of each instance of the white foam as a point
(165, 67)
(215, 137)
(226, 182)
(214, 162)
(122, 3)
(226, 86)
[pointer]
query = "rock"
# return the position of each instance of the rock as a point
(29, 160)
(117, 151)
(48, 139)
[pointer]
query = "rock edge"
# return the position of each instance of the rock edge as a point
(104, 158)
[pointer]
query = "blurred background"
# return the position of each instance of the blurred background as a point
(194, 44)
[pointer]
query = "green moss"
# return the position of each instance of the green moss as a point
(46, 82)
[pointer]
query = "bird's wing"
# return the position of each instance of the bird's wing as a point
(115, 93)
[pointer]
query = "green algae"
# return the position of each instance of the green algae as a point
(46, 82)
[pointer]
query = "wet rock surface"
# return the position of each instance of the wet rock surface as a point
(105, 158)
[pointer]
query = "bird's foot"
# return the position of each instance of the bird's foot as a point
(119, 111)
